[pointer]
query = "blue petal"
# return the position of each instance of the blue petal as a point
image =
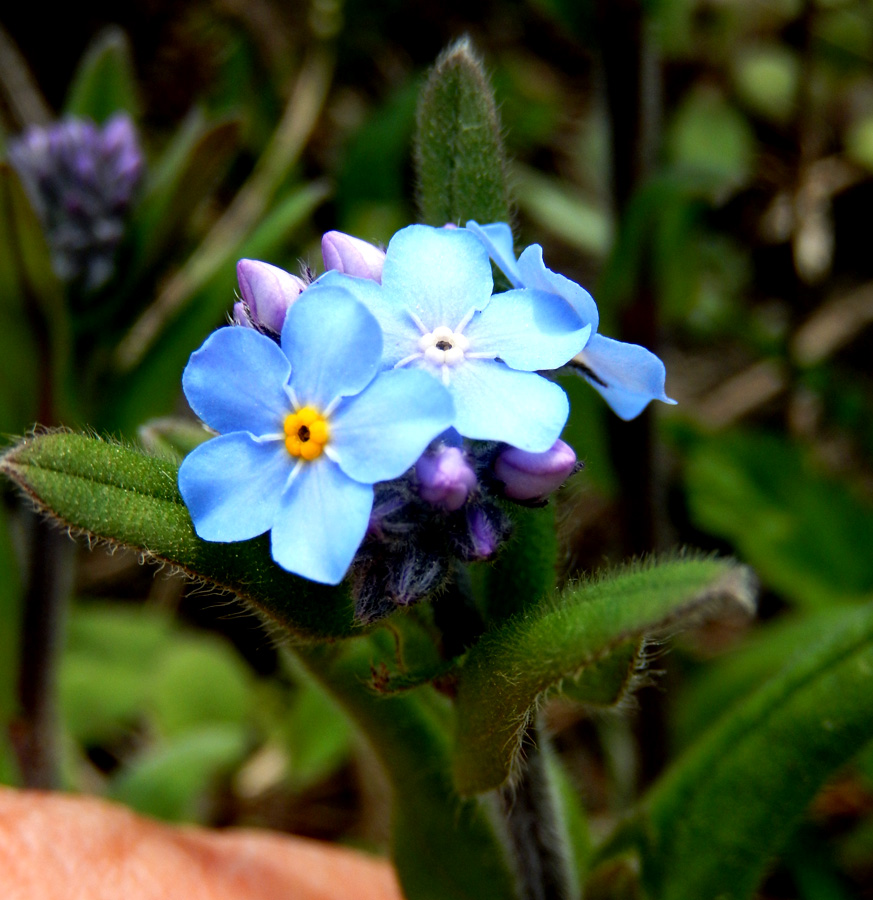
(321, 522)
(380, 433)
(528, 330)
(236, 382)
(439, 274)
(534, 274)
(334, 344)
(400, 334)
(496, 403)
(232, 484)
(497, 239)
(627, 375)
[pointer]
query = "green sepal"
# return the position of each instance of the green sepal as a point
(116, 494)
(712, 824)
(509, 670)
(442, 846)
(104, 82)
(459, 155)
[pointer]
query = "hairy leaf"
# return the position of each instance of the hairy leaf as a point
(711, 825)
(116, 494)
(458, 151)
(507, 672)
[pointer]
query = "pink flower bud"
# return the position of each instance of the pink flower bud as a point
(533, 476)
(445, 478)
(267, 292)
(352, 256)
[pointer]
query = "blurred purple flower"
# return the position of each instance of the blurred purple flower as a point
(80, 178)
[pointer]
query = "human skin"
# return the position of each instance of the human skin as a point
(64, 847)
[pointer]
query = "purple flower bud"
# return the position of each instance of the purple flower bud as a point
(533, 476)
(352, 256)
(445, 478)
(484, 534)
(80, 179)
(267, 292)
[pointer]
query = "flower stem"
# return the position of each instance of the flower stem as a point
(35, 731)
(529, 809)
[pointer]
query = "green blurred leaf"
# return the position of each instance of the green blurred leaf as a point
(458, 151)
(807, 536)
(709, 135)
(507, 672)
(767, 80)
(442, 846)
(122, 496)
(104, 82)
(198, 682)
(577, 220)
(318, 735)
(172, 781)
(172, 438)
(714, 821)
(189, 169)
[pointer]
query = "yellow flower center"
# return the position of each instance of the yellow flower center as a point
(306, 433)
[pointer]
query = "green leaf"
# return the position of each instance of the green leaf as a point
(122, 496)
(807, 536)
(105, 81)
(714, 821)
(197, 682)
(170, 781)
(442, 846)
(509, 670)
(458, 151)
(189, 169)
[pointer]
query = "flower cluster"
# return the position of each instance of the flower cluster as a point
(80, 179)
(378, 417)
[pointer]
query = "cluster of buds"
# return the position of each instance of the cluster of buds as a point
(451, 506)
(80, 178)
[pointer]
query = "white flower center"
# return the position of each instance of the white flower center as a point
(443, 347)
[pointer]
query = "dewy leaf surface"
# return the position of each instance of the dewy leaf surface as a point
(505, 674)
(713, 823)
(116, 494)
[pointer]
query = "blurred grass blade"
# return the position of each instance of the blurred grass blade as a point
(442, 846)
(105, 82)
(459, 155)
(508, 671)
(713, 823)
(190, 168)
(121, 496)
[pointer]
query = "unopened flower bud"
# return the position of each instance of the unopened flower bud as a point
(533, 476)
(352, 256)
(484, 533)
(267, 292)
(445, 478)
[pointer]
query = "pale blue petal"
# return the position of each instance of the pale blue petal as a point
(379, 434)
(232, 485)
(497, 239)
(439, 274)
(334, 344)
(496, 403)
(528, 330)
(321, 521)
(400, 334)
(235, 382)
(534, 274)
(627, 375)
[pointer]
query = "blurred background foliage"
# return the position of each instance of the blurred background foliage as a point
(264, 123)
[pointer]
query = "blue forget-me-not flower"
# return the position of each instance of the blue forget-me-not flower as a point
(628, 376)
(306, 427)
(438, 315)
